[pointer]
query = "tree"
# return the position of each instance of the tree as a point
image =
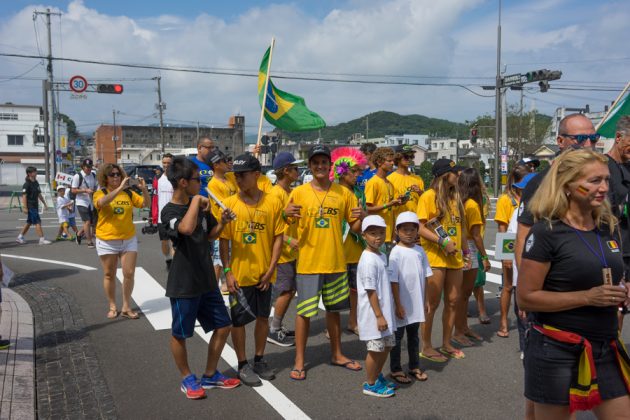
(72, 127)
(425, 173)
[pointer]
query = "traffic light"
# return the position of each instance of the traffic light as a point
(104, 88)
(473, 135)
(544, 85)
(544, 74)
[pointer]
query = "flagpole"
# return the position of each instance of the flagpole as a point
(599, 124)
(264, 101)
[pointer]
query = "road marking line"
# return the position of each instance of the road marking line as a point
(149, 296)
(42, 218)
(494, 278)
(69, 264)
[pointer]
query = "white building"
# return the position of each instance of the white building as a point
(421, 140)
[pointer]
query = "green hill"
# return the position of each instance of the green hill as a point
(382, 123)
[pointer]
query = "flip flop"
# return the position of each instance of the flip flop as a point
(459, 342)
(113, 313)
(503, 334)
(455, 354)
(474, 336)
(347, 364)
(354, 331)
(400, 377)
(438, 358)
(297, 374)
(485, 319)
(130, 315)
(418, 374)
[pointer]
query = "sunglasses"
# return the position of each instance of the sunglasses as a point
(581, 138)
(114, 175)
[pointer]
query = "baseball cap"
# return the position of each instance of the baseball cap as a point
(216, 156)
(372, 220)
(285, 159)
(523, 182)
(318, 149)
(61, 187)
(87, 162)
(532, 161)
(407, 217)
(404, 149)
(442, 166)
(246, 163)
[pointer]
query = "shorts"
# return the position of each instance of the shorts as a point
(332, 288)
(379, 345)
(116, 246)
(473, 255)
(352, 276)
(208, 308)
(258, 302)
(72, 222)
(32, 218)
(285, 278)
(550, 365)
(87, 214)
(162, 232)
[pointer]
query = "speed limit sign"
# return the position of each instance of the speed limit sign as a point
(78, 84)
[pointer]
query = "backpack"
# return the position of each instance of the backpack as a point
(74, 196)
(104, 191)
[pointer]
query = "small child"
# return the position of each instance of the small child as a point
(409, 268)
(31, 194)
(65, 213)
(375, 308)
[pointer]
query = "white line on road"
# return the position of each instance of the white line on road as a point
(149, 296)
(69, 264)
(42, 218)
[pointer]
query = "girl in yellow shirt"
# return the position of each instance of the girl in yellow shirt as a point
(440, 213)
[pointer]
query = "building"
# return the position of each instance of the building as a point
(602, 146)
(442, 148)
(132, 144)
(421, 140)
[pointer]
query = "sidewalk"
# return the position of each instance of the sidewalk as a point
(17, 363)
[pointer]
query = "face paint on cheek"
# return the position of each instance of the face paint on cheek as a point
(582, 190)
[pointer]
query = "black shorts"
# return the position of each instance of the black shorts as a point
(87, 214)
(162, 232)
(550, 365)
(352, 276)
(257, 305)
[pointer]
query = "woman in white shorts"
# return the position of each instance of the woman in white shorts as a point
(116, 234)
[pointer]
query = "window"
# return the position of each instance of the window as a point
(15, 140)
(39, 139)
(7, 116)
(452, 144)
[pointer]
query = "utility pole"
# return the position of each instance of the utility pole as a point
(46, 134)
(161, 106)
(115, 137)
(520, 129)
(497, 112)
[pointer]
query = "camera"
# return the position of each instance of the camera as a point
(149, 228)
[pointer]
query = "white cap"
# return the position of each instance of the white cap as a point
(407, 217)
(60, 186)
(372, 220)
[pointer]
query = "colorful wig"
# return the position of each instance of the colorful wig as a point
(344, 158)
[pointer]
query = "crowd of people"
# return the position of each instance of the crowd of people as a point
(366, 236)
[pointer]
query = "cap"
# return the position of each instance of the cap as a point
(87, 162)
(318, 149)
(534, 162)
(442, 166)
(523, 182)
(284, 159)
(61, 187)
(407, 217)
(372, 220)
(246, 163)
(404, 149)
(216, 156)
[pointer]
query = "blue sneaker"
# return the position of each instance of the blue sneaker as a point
(378, 390)
(192, 389)
(389, 384)
(218, 380)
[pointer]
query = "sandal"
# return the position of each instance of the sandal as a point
(400, 377)
(455, 353)
(462, 341)
(485, 319)
(113, 313)
(354, 330)
(473, 335)
(130, 315)
(438, 358)
(419, 375)
(297, 374)
(350, 365)
(503, 333)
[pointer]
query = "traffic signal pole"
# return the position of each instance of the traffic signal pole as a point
(497, 112)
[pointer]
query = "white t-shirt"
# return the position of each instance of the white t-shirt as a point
(372, 275)
(512, 226)
(89, 181)
(165, 193)
(409, 267)
(62, 212)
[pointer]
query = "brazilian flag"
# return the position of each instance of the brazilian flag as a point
(608, 127)
(285, 110)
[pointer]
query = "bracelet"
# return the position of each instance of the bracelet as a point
(284, 215)
(289, 241)
(444, 242)
(484, 258)
(226, 269)
(384, 206)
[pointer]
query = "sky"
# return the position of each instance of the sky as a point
(446, 42)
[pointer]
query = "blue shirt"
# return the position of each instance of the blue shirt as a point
(205, 173)
(365, 177)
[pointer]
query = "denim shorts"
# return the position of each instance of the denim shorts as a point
(32, 217)
(208, 308)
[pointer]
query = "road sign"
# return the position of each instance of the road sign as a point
(58, 159)
(58, 153)
(78, 84)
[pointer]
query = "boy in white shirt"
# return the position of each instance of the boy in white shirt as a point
(409, 268)
(375, 308)
(65, 215)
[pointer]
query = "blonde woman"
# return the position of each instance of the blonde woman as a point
(571, 284)
(116, 234)
(440, 212)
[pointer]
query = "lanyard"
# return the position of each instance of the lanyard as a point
(601, 258)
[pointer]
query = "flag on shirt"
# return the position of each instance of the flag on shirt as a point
(285, 110)
(608, 127)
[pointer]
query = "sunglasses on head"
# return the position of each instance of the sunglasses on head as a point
(581, 138)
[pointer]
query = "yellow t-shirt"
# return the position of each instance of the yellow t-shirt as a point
(288, 254)
(321, 238)
(252, 235)
(263, 182)
(377, 193)
(452, 223)
(115, 220)
(505, 208)
(473, 218)
(402, 184)
(222, 190)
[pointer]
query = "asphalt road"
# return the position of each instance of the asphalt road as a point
(144, 382)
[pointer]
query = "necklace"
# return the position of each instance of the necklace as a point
(251, 218)
(321, 203)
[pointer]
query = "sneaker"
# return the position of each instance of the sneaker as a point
(264, 371)
(168, 264)
(4, 344)
(377, 390)
(60, 238)
(190, 386)
(247, 376)
(20, 240)
(218, 380)
(288, 333)
(44, 241)
(389, 384)
(280, 338)
(91, 245)
(78, 239)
